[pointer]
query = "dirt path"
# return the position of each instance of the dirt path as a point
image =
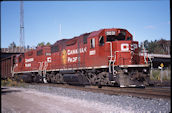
(19, 100)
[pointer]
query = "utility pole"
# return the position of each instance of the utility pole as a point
(22, 42)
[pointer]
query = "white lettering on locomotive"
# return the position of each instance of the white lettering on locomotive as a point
(48, 59)
(75, 51)
(29, 60)
(28, 65)
(124, 47)
(73, 59)
(93, 52)
(47, 54)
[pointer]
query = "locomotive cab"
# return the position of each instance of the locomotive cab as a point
(122, 48)
(124, 58)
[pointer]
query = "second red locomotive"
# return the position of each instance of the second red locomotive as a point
(103, 57)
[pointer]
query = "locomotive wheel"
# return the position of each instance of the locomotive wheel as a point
(103, 79)
(59, 78)
(147, 81)
(92, 78)
(82, 78)
(52, 77)
(36, 78)
(48, 78)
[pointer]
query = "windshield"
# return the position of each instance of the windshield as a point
(113, 37)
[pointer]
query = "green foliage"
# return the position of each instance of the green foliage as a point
(156, 75)
(43, 44)
(10, 83)
(48, 44)
(161, 46)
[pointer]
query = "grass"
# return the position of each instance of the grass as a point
(9, 82)
(156, 75)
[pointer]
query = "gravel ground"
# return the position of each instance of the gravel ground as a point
(99, 102)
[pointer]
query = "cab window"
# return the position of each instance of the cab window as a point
(39, 52)
(92, 43)
(54, 49)
(128, 38)
(101, 41)
(85, 38)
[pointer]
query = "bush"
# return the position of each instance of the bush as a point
(156, 74)
(9, 82)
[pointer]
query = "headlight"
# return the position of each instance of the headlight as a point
(125, 70)
(145, 70)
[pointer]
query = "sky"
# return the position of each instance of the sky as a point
(145, 19)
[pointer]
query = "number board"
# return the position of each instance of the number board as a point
(110, 33)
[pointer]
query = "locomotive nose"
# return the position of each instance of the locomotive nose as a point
(126, 52)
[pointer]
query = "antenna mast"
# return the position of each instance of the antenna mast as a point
(60, 31)
(22, 42)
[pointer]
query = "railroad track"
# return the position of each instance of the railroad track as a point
(139, 92)
(148, 92)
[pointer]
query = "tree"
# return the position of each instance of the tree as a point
(152, 46)
(146, 44)
(48, 44)
(12, 45)
(161, 46)
(41, 44)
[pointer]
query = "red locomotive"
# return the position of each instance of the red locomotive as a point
(104, 57)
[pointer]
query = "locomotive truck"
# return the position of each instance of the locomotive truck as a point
(104, 57)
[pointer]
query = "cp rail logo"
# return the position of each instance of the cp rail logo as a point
(64, 56)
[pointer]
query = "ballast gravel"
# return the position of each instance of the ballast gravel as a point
(103, 103)
(126, 103)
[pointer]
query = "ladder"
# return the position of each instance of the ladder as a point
(45, 71)
(40, 68)
(112, 60)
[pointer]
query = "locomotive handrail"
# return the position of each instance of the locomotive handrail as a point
(114, 64)
(12, 70)
(45, 71)
(150, 62)
(110, 56)
(110, 49)
(40, 68)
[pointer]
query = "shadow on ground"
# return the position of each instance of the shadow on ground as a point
(8, 90)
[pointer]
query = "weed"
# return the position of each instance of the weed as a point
(9, 82)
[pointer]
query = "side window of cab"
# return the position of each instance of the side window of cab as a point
(101, 41)
(92, 43)
(40, 52)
